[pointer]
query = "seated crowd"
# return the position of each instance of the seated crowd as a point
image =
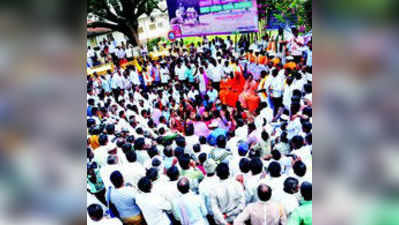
(211, 133)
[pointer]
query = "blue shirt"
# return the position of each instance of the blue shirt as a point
(124, 200)
(214, 134)
(189, 75)
(88, 111)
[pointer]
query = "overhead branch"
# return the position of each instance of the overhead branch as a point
(98, 24)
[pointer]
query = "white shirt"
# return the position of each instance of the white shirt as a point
(190, 210)
(180, 72)
(296, 50)
(152, 207)
(293, 127)
(132, 173)
(288, 95)
(227, 198)
(104, 221)
(91, 53)
(169, 191)
(227, 70)
(101, 155)
(276, 86)
(202, 84)
(206, 189)
(275, 183)
(164, 75)
(129, 52)
(121, 54)
(251, 187)
(241, 132)
(105, 173)
(217, 73)
(134, 77)
(116, 81)
(210, 71)
(111, 48)
(309, 59)
(289, 201)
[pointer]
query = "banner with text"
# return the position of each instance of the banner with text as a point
(211, 17)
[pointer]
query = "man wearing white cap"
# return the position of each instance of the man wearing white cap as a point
(208, 183)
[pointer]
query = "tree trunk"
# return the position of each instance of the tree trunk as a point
(136, 37)
(131, 33)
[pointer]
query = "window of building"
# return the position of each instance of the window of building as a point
(160, 24)
(152, 26)
(141, 30)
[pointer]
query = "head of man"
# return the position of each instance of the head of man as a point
(264, 192)
(222, 171)
(184, 161)
(291, 185)
(173, 173)
(306, 191)
(299, 168)
(152, 174)
(145, 185)
(95, 212)
(256, 166)
(183, 185)
(221, 141)
(116, 179)
(244, 165)
(274, 169)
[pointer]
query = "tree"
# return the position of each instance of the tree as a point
(302, 9)
(121, 15)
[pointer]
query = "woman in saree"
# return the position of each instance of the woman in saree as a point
(248, 98)
(237, 85)
(203, 81)
(225, 88)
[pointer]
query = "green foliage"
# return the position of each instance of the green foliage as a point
(301, 8)
(154, 42)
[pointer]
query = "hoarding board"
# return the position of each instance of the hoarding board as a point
(210, 17)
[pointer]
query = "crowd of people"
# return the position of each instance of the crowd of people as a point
(214, 132)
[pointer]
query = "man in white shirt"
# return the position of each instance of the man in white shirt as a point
(212, 94)
(208, 183)
(287, 196)
(180, 71)
(296, 43)
(227, 70)
(132, 171)
(106, 171)
(228, 199)
(164, 71)
(101, 153)
(256, 167)
(134, 77)
(169, 189)
(116, 84)
(152, 205)
(276, 90)
(189, 208)
(274, 179)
